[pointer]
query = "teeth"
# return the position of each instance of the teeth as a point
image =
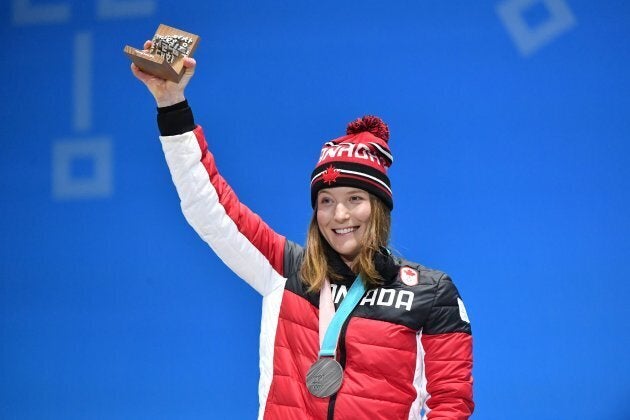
(345, 230)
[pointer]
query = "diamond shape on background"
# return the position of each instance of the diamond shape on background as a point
(528, 38)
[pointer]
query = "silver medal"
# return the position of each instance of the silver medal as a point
(324, 377)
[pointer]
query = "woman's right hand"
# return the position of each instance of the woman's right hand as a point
(165, 92)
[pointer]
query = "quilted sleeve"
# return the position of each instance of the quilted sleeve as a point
(447, 344)
(237, 235)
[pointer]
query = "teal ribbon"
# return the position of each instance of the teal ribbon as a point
(354, 295)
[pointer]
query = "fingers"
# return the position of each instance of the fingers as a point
(135, 69)
(165, 92)
(190, 63)
(140, 75)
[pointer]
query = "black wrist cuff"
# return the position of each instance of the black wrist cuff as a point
(175, 119)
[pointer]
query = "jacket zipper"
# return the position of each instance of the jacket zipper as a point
(342, 361)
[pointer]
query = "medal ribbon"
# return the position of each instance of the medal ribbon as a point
(354, 295)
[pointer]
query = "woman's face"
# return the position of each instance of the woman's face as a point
(343, 214)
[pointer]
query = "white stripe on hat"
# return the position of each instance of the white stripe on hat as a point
(316, 176)
(355, 173)
(383, 151)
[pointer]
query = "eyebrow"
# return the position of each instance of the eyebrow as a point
(352, 191)
(357, 190)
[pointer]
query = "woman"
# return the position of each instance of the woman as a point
(348, 330)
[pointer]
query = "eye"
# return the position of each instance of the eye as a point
(323, 200)
(355, 198)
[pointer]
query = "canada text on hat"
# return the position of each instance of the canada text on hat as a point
(359, 159)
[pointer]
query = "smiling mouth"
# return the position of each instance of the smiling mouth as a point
(345, 231)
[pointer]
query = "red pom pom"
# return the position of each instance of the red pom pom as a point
(371, 124)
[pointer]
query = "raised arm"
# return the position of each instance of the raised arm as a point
(238, 236)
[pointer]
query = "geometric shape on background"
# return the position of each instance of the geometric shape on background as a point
(114, 9)
(82, 81)
(528, 38)
(67, 184)
(25, 13)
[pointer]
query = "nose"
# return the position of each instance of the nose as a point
(341, 213)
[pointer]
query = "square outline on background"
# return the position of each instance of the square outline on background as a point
(99, 185)
(530, 39)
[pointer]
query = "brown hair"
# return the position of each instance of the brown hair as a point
(315, 267)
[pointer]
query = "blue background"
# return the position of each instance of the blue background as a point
(511, 173)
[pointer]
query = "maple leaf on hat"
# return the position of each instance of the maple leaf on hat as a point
(330, 175)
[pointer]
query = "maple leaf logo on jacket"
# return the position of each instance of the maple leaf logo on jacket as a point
(409, 276)
(330, 175)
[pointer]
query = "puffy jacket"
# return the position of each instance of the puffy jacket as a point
(406, 348)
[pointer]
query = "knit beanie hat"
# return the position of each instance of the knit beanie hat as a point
(359, 159)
